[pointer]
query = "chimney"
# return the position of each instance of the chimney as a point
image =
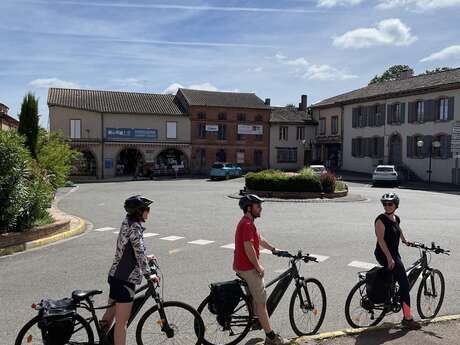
(267, 101)
(406, 74)
(303, 103)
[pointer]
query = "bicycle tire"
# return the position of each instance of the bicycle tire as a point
(22, 337)
(212, 326)
(349, 317)
(298, 292)
(419, 294)
(196, 324)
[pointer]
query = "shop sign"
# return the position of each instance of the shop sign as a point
(212, 128)
(251, 129)
(144, 134)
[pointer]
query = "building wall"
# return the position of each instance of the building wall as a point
(291, 142)
(329, 144)
(211, 144)
(441, 168)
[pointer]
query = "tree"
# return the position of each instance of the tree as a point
(391, 73)
(28, 122)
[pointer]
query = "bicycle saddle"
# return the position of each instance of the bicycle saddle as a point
(79, 295)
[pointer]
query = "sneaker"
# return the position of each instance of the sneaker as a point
(277, 340)
(410, 324)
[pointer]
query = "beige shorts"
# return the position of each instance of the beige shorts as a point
(256, 285)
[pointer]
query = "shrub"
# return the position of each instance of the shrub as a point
(328, 182)
(275, 180)
(340, 186)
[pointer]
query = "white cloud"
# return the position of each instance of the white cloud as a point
(419, 4)
(128, 82)
(333, 3)
(297, 62)
(452, 52)
(53, 82)
(255, 69)
(172, 89)
(387, 32)
(280, 57)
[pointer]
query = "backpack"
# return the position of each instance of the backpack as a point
(57, 320)
(224, 297)
(378, 285)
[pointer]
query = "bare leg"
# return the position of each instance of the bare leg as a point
(263, 317)
(122, 313)
(109, 314)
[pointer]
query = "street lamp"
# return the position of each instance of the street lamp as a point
(435, 144)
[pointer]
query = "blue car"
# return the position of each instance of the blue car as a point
(225, 171)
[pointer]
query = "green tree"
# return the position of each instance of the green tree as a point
(55, 155)
(28, 122)
(391, 73)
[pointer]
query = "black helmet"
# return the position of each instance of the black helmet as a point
(136, 203)
(390, 197)
(248, 200)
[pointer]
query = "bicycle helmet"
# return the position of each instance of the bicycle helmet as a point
(248, 200)
(136, 203)
(390, 197)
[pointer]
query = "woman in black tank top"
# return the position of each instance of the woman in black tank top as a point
(386, 252)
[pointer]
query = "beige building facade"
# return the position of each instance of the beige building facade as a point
(6, 121)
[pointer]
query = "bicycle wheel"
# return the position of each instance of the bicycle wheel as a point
(359, 311)
(308, 307)
(430, 294)
(31, 334)
(186, 325)
(226, 330)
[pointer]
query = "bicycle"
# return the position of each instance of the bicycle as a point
(231, 329)
(362, 309)
(175, 320)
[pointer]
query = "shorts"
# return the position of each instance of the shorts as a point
(256, 285)
(121, 291)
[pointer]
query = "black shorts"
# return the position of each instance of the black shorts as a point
(121, 291)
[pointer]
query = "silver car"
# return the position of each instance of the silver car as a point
(385, 174)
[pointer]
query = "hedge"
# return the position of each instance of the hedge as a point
(275, 180)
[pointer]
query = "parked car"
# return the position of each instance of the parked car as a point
(318, 170)
(225, 171)
(385, 174)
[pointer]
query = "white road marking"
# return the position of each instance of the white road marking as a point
(320, 258)
(171, 238)
(116, 232)
(229, 246)
(363, 265)
(201, 242)
(104, 229)
(149, 234)
(266, 251)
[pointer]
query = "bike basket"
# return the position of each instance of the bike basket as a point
(378, 285)
(224, 297)
(57, 318)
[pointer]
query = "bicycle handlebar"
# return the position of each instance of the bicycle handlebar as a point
(435, 249)
(296, 257)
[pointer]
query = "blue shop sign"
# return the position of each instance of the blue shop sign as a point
(131, 133)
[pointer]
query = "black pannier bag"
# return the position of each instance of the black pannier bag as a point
(57, 320)
(378, 285)
(224, 297)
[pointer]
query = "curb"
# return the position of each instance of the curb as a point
(351, 198)
(354, 331)
(79, 229)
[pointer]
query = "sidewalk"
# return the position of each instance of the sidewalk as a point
(443, 330)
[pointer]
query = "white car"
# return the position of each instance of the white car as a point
(385, 174)
(318, 170)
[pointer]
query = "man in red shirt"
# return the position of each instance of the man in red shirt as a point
(247, 264)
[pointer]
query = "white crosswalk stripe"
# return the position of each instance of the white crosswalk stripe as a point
(266, 251)
(171, 238)
(320, 258)
(104, 229)
(201, 242)
(229, 246)
(149, 234)
(116, 232)
(361, 264)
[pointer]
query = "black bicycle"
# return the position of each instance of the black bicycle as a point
(306, 309)
(169, 322)
(361, 312)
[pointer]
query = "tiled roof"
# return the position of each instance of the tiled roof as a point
(114, 101)
(420, 83)
(222, 99)
(9, 119)
(288, 115)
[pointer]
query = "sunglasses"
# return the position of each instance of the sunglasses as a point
(388, 203)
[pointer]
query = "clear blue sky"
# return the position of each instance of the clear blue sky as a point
(277, 49)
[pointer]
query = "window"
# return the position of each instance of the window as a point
(201, 115)
(378, 116)
(420, 107)
(75, 129)
(286, 155)
(221, 155)
(221, 135)
(240, 157)
(240, 137)
(322, 126)
(361, 119)
(283, 133)
(257, 157)
(436, 151)
(418, 150)
(360, 147)
(396, 113)
(300, 133)
(443, 109)
(171, 130)
(202, 130)
(259, 137)
(222, 116)
(258, 118)
(334, 124)
(375, 147)
(241, 117)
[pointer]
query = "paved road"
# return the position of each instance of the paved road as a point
(194, 209)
